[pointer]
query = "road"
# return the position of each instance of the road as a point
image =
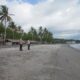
(42, 62)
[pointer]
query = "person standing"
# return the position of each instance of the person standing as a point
(21, 44)
(28, 43)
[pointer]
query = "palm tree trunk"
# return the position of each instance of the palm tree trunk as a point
(13, 35)
(32, 36)
(5, 33)
(22, 35)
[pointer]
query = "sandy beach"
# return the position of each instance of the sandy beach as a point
(42, 62)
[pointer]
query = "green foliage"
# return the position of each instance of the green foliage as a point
(12, 25)
(42, 35)
(9, 34)
(4, 15)
(32, 34)
(16, 32)
(1, 28)
(17, 35)
(25, 36)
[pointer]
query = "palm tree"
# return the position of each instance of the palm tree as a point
(22, 34)
(13, 27)
(4, 17)
(40, 33)
(50, 37)
(45, 34)
(19, 28)
(1, 28)
(33, 33)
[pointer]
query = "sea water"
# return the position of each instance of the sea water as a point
(77, 46)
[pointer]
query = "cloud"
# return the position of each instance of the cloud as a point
(68, 35)
(2, 2)
(56, 15)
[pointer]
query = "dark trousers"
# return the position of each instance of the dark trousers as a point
(28, 46)
(20, 47)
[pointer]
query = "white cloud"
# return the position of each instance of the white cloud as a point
(68, 35)
(2, 2)
(59, 15)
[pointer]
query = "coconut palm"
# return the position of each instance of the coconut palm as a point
(40, 33)
(19, 28)
(4, 17)
(22, 34)
(33, 33)
(13, 27)
(45, 34)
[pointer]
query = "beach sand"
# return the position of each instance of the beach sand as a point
(42, 62)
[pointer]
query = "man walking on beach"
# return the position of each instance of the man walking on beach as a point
(21, 44)
(28, 43)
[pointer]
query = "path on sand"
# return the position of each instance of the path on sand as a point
(42, 62)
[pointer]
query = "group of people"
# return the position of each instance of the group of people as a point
(21, 44)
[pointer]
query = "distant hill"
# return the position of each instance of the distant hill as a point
(56, 40)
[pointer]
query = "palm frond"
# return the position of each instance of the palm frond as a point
(1, 17)
(11, 14)
(9, 18)
(4, 9)
(1, 13)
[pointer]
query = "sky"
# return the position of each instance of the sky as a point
(61, 17)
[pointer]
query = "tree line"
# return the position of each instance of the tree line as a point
(9, 30)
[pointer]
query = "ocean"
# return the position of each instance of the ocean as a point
(77, 46)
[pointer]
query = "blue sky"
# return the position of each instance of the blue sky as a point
(32, 1)
(28, 1)
(61, 17)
